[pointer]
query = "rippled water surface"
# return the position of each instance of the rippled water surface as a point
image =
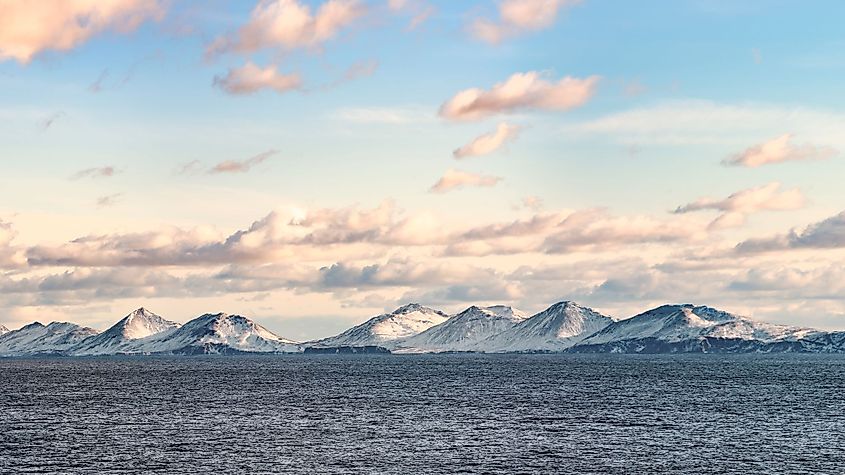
(424, 414)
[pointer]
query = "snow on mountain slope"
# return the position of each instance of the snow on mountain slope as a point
(463, 331)
(384, 330)
(675, 323)
(216, 333)
(123, 336)
(557, 328)
(35, 338)
(3, 330)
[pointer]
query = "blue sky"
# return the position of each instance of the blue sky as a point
(115, 138)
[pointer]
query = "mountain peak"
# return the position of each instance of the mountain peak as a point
(556, 328)
(493, 311)
(564, 304)
(408, 308)
(141, 323)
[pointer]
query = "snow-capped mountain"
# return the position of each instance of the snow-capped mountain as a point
(687, 328)
(126, 336)
(386, 329)
(463, 331)
(563, 327)
(3, 330)
(557, 328)
(217, 333)
(35, 339)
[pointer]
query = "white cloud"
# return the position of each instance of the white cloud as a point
(489, 142)
(30, 27)
(251, 78)
(518, 16)
(777, 150)
(520, 91)
(455, 179)
(736, 207)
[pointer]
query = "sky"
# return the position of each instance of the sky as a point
(310, 164)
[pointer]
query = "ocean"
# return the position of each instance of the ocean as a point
(409, 414)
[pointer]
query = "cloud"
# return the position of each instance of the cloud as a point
(10, 256)
(574, 231)
(517, 17)
(97, 86)
(108, 200)
(520, 91)
(242, 166)
(189, 168)
(489, 142)
(195, 167)
(251, 78)
(534, 203)
(694, 122)
(419, 11)
(358, 70)
(736, 207)
(281, 235)
(593, 228)
(826, 234)
(30, 27)
(49, 121)
(778, 150)
(397, 272)
(100, 172)
(455, 179)
(288, 25)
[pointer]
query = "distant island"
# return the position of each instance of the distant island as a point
(565, 327)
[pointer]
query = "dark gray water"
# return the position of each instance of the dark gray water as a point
(424, 414)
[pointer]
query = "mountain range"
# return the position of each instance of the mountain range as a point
(563, 327)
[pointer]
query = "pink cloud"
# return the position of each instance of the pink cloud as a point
(518, 16)
(778, 150)
(455, 179)
(489, 142)
(520, 91)
(30, 27)
(242, 166)
(736, 207)
(251, 78)
(289, 24)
